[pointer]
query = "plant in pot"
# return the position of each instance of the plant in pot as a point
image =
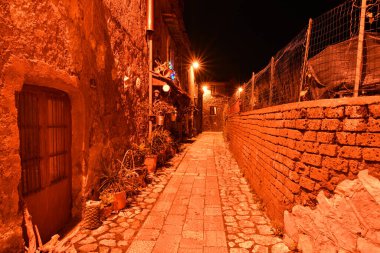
(119, 180)
(160, 143)
(160, 108)
(112, 188)
(151, 162)
(134, 165)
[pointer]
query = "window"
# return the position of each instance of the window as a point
(45, 136)
(213, 89)
(212, 110)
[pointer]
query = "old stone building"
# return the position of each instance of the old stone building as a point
(172, 51)
(213, 105)
(73, 96)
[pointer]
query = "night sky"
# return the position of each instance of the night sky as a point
(234, 38)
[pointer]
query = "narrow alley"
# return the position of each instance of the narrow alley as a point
(206, 206)
(155, 126)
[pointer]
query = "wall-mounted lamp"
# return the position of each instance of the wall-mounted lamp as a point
(166, 88)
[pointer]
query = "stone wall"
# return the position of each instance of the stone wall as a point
(96, 52)
(213, 122)
(291, 152)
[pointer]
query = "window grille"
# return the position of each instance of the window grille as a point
(45, 136)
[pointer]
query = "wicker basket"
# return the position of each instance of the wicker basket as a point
(91, 219)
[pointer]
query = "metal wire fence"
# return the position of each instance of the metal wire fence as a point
(336, 55)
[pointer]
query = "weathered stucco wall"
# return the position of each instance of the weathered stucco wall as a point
(96, 52)
(291, 152)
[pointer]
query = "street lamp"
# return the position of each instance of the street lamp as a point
(195, 64)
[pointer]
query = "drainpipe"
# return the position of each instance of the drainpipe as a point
(149, 33)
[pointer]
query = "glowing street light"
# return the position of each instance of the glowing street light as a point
(240, 89)
(195, 64)
(205, 89)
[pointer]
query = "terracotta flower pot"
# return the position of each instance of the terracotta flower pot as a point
(120, 200)
(151, 163)
(160, 120)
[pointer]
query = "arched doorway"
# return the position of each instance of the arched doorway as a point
(44, 121)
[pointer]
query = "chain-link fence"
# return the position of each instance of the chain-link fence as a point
(336, 55)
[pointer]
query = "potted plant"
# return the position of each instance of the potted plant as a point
(160, 108)
(112, 187)
(160, 142)
(119, 180)
(151, 162)
(136, 161)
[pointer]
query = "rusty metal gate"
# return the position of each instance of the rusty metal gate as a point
(44, 121)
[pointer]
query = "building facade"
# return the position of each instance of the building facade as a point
(214, 104)
(73, 96)
(172, 65)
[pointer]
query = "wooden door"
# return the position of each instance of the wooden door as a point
(44, 120)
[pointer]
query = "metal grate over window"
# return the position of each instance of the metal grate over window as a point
(45, 136)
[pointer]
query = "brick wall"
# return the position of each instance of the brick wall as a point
(291, 152)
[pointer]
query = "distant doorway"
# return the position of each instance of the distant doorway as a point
(44, 121)
(215, 119)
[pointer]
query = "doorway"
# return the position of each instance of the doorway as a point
(44, 121)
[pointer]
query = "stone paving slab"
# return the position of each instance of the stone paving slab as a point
(202, 204)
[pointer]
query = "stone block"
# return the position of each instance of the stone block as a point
(312, 159)
(346, 138)
(356, 111)
(374, 110)
(328, 149)
(334, 112)
(335, 164)
(371, 154)
(368, 139)
(350, 152)
(325, 137)
(354, 125)
(319, 174)
(331, 125)
(373, 125)
(314, 124)
(310, 136)
(307, 183)
(315, 113)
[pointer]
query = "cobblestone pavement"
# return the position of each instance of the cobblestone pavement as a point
(201, 204)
